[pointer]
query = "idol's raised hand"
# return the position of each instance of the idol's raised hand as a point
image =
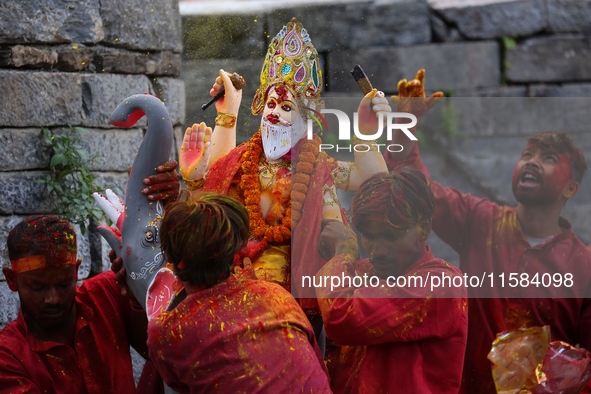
(368, 116)
(230, 102)
(411, 96)
(195, 152)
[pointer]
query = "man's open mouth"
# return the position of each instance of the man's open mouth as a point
(529, 179)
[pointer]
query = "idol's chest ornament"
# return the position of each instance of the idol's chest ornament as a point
(268, 171)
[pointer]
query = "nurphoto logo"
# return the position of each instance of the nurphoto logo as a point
(345, 131)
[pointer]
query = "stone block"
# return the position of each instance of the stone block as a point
(578, 215)
(501, 91)
(442, 32)
(10, 304)
(496, 18)
(48, 21)
(24, 149)
(172, 93)
(566, 16)
(200, 75)
(179, 134)
(550, 59)
(142, 24)
(118, 147)
(565, 90)
(116, 179)
(164, 63)
(137, 363)
(7, 223)
(357, 25)
(224, 36)
(453, 66)
(75, 57)
(27, 57)
(39, 99)
(102, 93)
(83, 245)
(507, 116)
(109, 60)
(21, 195)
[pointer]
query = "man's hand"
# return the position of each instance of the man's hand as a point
(117, 268)
(230, 102)
(163, 186)
(411, 96)
(195, 152)
(336, 239)
(368, 117)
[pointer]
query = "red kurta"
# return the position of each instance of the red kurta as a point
(489, 239)
(411, 342)
(240, 336)
(100, 363)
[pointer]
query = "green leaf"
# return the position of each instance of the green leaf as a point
(57, 159)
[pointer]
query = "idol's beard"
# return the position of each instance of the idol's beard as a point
(278, 137)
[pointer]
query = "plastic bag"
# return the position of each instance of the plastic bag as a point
(517, 356)
(566, 370)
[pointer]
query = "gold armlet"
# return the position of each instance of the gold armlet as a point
(373, 145)
(225, 120)
(345, 175)
(194, 185)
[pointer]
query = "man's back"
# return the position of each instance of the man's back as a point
(240, 336)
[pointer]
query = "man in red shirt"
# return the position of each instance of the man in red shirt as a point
(65, 339)
(231, 334)
(69, 339)
(531, 241)
(401, 338)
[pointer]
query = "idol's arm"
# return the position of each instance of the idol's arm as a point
(224, 134)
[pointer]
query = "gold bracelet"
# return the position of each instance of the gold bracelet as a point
(194, 185)
(345, 171)
(373, 144)
(225, 120)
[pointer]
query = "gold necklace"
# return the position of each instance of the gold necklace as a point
(268, 171)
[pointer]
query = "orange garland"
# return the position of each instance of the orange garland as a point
(304, 167)
(249, 183)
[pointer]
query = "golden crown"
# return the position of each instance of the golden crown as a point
(292, 60)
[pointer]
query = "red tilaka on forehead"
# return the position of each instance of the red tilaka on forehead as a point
(281, 92)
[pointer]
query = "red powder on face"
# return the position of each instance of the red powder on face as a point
(281, 93)
(553, 172)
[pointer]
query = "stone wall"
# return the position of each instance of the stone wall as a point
(496, 50)
(71, 63)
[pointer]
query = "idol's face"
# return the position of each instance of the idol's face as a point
(281, 105)
(282, 125)
(542, 176)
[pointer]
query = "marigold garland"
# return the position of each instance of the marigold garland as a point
(249, 183)
(306, 159)
(250, 190)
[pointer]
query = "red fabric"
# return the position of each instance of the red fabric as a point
(488, 238)
(410, 342)
(240, 336)
(305, 259)
(100, 363)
